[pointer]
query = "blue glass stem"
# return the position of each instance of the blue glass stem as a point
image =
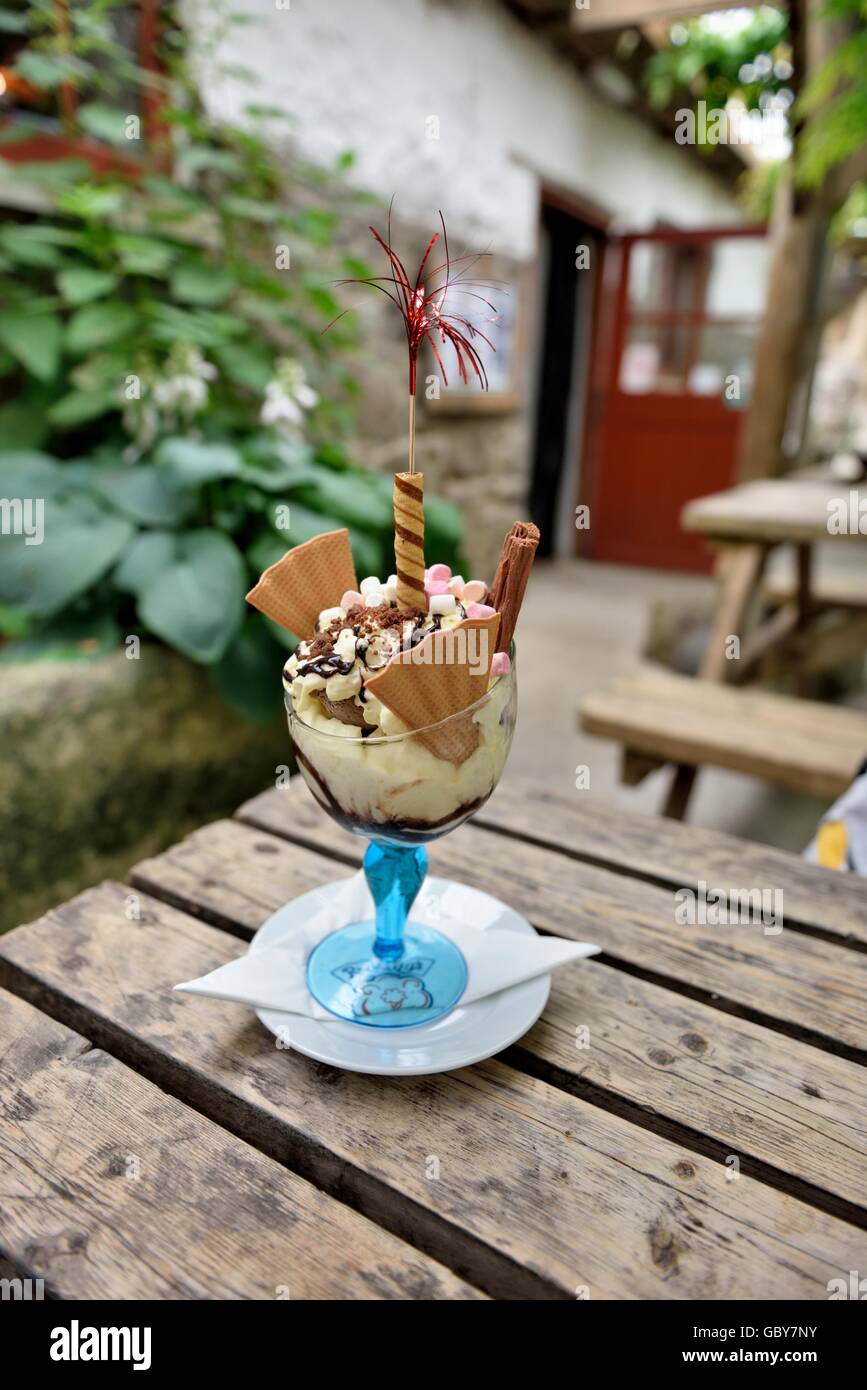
(394, 875)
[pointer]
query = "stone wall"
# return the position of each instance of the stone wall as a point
(109, 760)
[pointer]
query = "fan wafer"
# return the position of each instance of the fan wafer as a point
(310, 577)
(435, 680)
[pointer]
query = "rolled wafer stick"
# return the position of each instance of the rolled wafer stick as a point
(510, 581)
(408, 500)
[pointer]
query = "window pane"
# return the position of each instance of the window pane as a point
(654, 359)
(666, 277)
(738, 274)
(724, 364)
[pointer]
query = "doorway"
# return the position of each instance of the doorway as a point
(671, 388)
(570, 249)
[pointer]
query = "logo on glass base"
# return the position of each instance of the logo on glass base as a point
(389, 988)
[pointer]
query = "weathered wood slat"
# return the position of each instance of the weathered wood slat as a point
(799, 744)
(760, 1095)
(807, 986)
(527, 1189)
(111, 1189)
(781, 1102)
(667, 851)
(772, 509)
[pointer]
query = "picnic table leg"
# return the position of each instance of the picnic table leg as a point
(805, 575)
(739, 570)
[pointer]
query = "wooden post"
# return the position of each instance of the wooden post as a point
(786, 348)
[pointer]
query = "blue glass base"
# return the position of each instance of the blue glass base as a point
(418, 985)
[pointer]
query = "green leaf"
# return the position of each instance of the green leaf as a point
(30, 473)
(81, 284)
(13, 623)
(248, 675)
(192, 159)
(251, 209)
(143, 493)
(266, 550)
(189, 463)
(13, 22)
(317, 225)
(246, 364)
(81, 541)
(49, 70)
(150, 553)
(143, 255)
(353, 497)
(92, 201)
(368, 553)
(103, 122)
(34, 340)
(278, 475)
(201, 284)
(96, 325)
(77, 407)
(24, 420)
(199, 327)
(52, 174)
(442, 522)
(196, 603)
(322, 300)
(78, 637)
(304, 524)
(23, 244)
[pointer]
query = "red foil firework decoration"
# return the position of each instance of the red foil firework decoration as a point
(421, 304)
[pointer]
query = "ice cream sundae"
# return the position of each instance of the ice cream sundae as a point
(401, 691)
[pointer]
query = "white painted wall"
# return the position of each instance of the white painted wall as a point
(368, 75)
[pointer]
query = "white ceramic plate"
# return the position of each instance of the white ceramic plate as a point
(470, 1033)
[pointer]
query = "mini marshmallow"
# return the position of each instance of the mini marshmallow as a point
(474, 592)
(351, 599)
(442, 604)
(373, 597)
(439, 572)
(328, 615)
(436, 586)
(369, 584)
(480, 610)
(501, 665)
(456, 585)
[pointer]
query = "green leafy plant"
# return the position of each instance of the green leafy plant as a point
(722, 57)
(166, 391)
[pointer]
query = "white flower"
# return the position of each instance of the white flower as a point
(279, 408)
(183, 390)
(287, 397)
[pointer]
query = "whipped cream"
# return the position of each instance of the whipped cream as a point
(347, 741)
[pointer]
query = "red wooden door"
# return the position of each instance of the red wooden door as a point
(670, 388)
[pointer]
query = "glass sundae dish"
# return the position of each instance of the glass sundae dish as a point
(399, 788)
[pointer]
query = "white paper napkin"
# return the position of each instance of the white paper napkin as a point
(273, 977)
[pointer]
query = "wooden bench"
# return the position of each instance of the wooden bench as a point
(839, 578)
(661, 717)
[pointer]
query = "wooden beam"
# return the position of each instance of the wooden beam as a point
(622, 14)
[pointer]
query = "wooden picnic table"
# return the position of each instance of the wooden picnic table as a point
(744, 524)
(820, 620)
(685, 1121)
